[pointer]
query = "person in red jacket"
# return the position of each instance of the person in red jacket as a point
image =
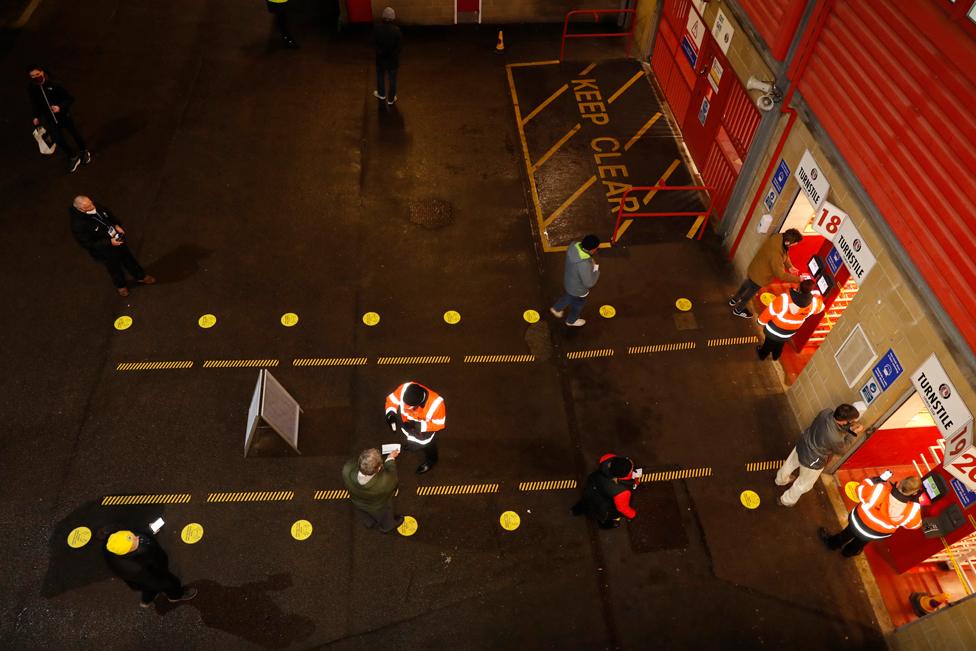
(606, 495)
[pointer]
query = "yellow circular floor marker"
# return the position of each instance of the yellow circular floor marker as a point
(683, 304)
(749, 499)
(608, 311)
(79, 537)
(452, 317)
(408, 527)
(850, 489)
(530, 316)
(192, 533)
(766, 298)
(207, 321)
(123, 323)
(371, 318)
(510, 520)
(301, 530)
(288, 319)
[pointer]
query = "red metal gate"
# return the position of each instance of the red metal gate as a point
(715, 113)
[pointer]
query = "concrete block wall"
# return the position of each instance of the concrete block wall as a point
(441, 12)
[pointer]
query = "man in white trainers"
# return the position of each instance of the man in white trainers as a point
(580, 275)
(388, 40)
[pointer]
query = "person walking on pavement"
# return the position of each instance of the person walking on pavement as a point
(784, 316)
(51, 108)
(388, 42)
(606, 494)
(418, 413)
(137, 559)
(579, 276)
(279, 9)
(371, 483)
(100, 233)
(884, 508)
(772, 261)
(832, 432)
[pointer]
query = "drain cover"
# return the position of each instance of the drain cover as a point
(431, 213)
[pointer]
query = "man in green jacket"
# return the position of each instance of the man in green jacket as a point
(371, 483)
(770, 262)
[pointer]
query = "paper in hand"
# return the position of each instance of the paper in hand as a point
(156, 525)
(639, 472)
(390, 447)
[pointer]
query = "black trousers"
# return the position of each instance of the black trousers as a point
(386, 520)
(122, 258)
(848, 540)
(772, 345)
(66, 123)
(166, 583)
(430, 450)
(280, 12)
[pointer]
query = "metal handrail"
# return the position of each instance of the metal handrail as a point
(664, 188)
(596, 16)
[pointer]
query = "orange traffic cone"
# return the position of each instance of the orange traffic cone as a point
(500, 47)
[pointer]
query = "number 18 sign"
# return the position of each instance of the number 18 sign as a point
(828, 219)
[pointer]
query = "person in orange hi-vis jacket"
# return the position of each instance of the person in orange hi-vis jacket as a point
(884, 508)
(785, 314)
(418, 413)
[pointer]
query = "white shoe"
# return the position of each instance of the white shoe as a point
(377, 95)
(779, 500)
(577, 323)
(556, 314)
(391, 101)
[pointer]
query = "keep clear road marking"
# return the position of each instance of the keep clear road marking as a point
(650, 195)
(585, 71)
(642, 130)
(624, 88)
(546, 103)
(552, 150)
(573, 197)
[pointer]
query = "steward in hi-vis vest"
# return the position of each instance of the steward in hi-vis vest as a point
(884, 508)
(418, 413)
(785, 314)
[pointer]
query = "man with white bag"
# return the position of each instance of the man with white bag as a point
(51, 108)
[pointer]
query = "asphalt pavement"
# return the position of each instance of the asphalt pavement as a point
(256, 181)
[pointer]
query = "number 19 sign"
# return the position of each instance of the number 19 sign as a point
(960, 456)
(828, 219)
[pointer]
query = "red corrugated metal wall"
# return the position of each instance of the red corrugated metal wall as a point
(776, 21)
(894, 84)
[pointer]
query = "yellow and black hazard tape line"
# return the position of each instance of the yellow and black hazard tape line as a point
(497, 359)
(460, 489)
(671, 475)
(240, 363)
(661, 348)
(588, 354)
(252, 496)
(330, 361)
(128, 500)
(153, 366)
(764, 465)
(552, 485)
(733, 341)
(428, 359)
(339, 494)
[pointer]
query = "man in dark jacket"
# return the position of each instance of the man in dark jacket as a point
(51, 108)
(137, 559)
(832, 432)
(606, 494)
(100, 233)
(388, 41)
(371, 483)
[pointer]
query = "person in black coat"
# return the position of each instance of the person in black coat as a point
(137, 559)
(606, 494)
(388, 41)
(51, 108)
(100, 233)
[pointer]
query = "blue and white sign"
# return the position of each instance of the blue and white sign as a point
(887, 370)
(834, 261)
(966, 496)
(703, 111)
(690, 52)
(770, 199)
(781, 175)
(870, 391)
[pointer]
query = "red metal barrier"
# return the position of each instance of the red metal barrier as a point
(663, 188)
(596, 16)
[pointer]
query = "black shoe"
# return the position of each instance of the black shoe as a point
(732, 302)
(424, 467)
(291, 44)
(745, 314)
(188, 593)
(849, 554)
(759, 354)
(85, 157)
(74, 163)
(824, 537)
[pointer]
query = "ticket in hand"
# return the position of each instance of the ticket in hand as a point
(390, 447)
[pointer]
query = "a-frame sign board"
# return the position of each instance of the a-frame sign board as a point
(272, 407)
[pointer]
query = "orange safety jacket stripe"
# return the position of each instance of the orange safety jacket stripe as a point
(872, 517)
(432, 415)
(780, 321)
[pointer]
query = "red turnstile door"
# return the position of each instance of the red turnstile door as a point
(467, 5)
(360, 11)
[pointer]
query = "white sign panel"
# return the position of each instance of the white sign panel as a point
(854, 250)
(828, 220)
(812, 180)
(696, 29)
(963, 468)
(958, 444)
(722, 30)
(941, 398)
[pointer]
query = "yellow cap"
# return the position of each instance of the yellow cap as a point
(120, 542)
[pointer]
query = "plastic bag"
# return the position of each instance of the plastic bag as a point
(44, 141)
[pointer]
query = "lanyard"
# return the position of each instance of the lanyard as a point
(53, 114)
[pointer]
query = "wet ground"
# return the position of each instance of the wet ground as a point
(256, 181)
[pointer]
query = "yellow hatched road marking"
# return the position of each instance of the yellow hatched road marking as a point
(153, 366)
(252, 496)
(495, 359)
(756, 466)
(335, 494)
(552, 150)
(586, 354)
(622, 89)
(586, 70)
(734, 341)
(546, 103)
(650, 195)
(330, 361)
(671, 475)
(558, 484)
(566, 204)
(661, 348)
(642, 131)
(239, 363)
(120, 500)
(533, 63)
(462, 489)
(433, 359)
(694, 227)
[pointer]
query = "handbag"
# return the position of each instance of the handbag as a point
(44, 141)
